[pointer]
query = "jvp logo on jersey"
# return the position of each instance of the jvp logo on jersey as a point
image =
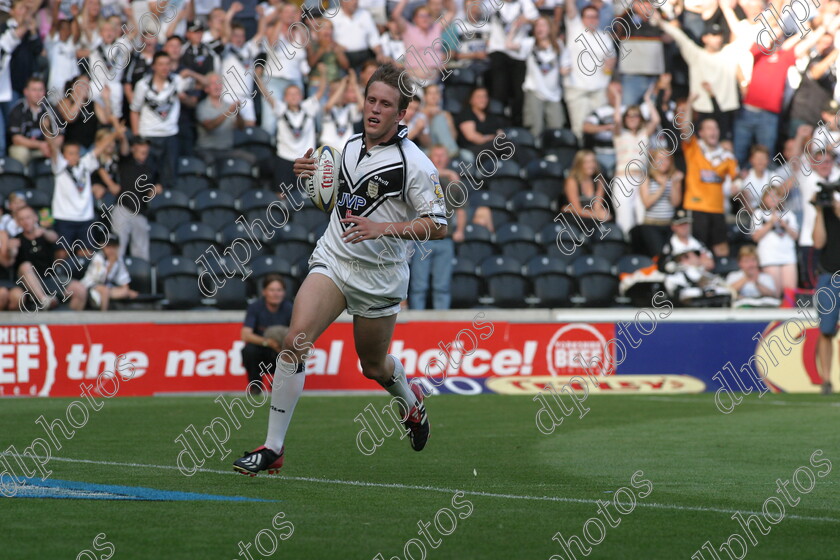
(351, 201)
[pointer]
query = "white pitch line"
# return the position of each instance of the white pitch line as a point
(653, 505)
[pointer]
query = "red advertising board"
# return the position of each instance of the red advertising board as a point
(56, 360)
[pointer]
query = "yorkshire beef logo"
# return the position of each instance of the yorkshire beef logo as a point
(572, 344)
(27, 361)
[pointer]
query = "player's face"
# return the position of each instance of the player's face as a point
(381, 113)
(274, 293)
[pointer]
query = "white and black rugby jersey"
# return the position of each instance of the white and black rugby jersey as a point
(391, 182)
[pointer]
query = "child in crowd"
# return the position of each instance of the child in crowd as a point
(107, 278)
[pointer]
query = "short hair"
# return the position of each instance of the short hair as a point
(747, 251)
(33, 79)
(237, 25)
(68, 144)
(270, 278)
(590, 7)
(759, 148)
(158, 55)
(389, 75)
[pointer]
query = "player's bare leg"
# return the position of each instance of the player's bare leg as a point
(318, 303)
(372, 338)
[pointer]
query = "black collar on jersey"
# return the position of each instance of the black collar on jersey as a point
(402, 132)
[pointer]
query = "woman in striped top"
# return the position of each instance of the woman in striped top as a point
(661, 195)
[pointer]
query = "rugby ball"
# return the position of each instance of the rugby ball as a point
(322, 186)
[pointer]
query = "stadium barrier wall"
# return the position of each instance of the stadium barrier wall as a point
(655, 351)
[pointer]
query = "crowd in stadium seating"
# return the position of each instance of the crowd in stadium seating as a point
(624, 116)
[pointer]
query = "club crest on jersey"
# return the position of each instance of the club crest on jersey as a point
(372, 189)
(351, 201)
(436, 183)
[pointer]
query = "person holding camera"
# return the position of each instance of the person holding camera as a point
(827, 238)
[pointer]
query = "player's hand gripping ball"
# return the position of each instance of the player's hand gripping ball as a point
(322, 185)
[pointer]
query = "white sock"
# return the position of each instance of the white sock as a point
(399, 386)
(285, 392)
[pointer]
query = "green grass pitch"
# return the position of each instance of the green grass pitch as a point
(524, 486)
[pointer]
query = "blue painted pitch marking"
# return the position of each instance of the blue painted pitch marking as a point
(50, 488)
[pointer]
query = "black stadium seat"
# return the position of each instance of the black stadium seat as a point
(517, 241)
(543, 168)
(160, 242)
(477, 244)
(141, 274)
(178, 280)
(613, 246)
(194, 239)
(215, 208)
(497, 204)
(506, 285)
(725, 265)
(632, 263)
(236, 176)
(292, 243)
(171, 208)
(466, 284)
(553, 285)
(193, 166)
(595, 280)
(532, 208)
(264, 265)
(13, 175)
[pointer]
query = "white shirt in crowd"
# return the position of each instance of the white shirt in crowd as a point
(159, 110)
(296, 129)
(97, 272)
(63, 67)
(750, 289)
(587, 56)
(8, 43)
(776, 247)
(542, 71)
(110, 61)
(500, 24)
(72, 198)
(357, 32)
(338, 125)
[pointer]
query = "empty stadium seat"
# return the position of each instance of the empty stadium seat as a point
(238, 231)
(506, 187)
(557, 233)
(553, 285)
(37, 167)
(215, 208)
(596, 282)
(233, 294)
(37, 199)
(293, 243)
(553, 187)
(544, 168)
(466, 284)
(517, 241)
(13, 175)
(506, 285)
(533, 209)
(309, 217)
(264, 265)
(193, 166)
(558, 138)
(193, 239)
(525, 145)
(236, 176)
(477, 244)
(613, 246)
(140, 271)
(191, 185)
(505, 168)
(632, 263)
(171, 208)
(160, 242)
